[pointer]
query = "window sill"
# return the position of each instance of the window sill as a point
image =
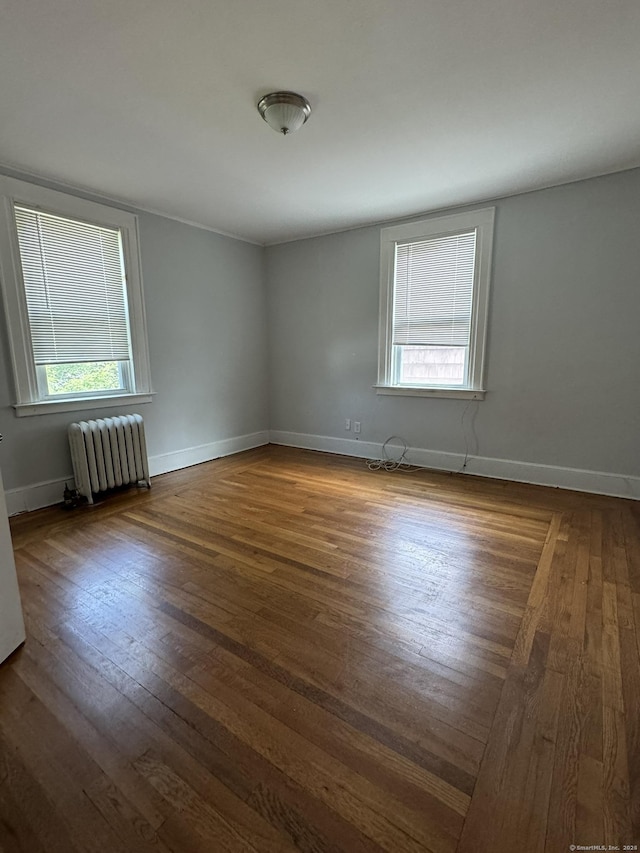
(451, 393)
(48, 407)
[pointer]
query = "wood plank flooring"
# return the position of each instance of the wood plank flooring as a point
(283, 650)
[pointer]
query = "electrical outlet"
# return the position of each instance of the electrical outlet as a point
(347, 423)
(356, 426)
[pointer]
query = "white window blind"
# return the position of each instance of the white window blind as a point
(74, 282)
(433, 293)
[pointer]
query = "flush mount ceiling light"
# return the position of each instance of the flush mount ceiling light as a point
(284, 111)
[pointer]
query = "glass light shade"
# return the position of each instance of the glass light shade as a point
(285, 112)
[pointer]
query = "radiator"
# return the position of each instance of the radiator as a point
(108, 452)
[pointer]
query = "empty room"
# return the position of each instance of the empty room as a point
(320, 407)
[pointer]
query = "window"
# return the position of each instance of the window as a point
(73, 295)
(434, 289)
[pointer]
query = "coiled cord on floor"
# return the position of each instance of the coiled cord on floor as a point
(388, 463)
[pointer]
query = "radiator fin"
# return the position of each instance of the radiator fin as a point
(108, 452)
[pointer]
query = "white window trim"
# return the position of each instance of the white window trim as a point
(47, 407)
(482, 220)
(28, 401)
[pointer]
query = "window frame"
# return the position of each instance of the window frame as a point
(28, 398)
(482, 221)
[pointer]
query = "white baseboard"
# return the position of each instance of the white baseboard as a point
(176, 459)
(49, 492)
(597, 482)
(36, 495)
(39, 495)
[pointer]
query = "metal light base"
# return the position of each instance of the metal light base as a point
(285, 112)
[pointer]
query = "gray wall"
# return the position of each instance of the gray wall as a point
(563, 349)
(206, 310)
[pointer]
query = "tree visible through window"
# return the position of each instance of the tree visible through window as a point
(83, 378)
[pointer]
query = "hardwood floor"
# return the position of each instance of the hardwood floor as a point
(283, 650)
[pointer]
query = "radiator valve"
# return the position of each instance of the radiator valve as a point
(70, 498)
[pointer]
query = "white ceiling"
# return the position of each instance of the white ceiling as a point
(417, 104)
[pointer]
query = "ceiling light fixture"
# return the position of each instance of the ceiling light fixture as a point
(284, 111)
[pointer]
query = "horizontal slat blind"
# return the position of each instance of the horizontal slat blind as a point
(75, 287)
(433, 292)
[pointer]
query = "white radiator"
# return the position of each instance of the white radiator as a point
(108, 452)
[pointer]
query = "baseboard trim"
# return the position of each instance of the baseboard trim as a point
(162, 463)
(596, 482)
(49, 492)
(37, 495)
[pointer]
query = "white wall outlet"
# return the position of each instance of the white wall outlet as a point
(356, 426)
(347, 423)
